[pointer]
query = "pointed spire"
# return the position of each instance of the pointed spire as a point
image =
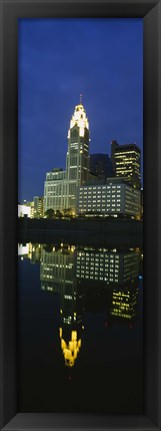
(81, 98)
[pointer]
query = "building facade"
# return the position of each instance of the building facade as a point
(61, 185)
(24, 210)
(38, 206)
(114, 196)
(55, 190)
(126, 162)
(107, 266)
(77, 159)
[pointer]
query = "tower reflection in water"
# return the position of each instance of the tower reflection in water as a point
(57, 275)
(86, 277)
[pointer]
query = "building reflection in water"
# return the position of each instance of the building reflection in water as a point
(30, 251)
(88, 278)
(57, 274)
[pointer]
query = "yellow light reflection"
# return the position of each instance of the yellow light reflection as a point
(71, 349)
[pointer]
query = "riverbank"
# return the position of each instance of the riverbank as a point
(101, 232)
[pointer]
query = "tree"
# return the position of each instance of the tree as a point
(49, 213)
(67, 211)
(58, 213)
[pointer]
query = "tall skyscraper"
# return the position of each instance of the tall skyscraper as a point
(127, 163)
(77, 160)
(61, 186)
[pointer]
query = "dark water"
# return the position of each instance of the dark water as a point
(81, 335)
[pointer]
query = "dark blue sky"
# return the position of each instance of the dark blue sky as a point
(58, 60)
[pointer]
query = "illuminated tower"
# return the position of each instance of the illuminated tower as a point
(77, 160)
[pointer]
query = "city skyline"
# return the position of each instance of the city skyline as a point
(43, 122)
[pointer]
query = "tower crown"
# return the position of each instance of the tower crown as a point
(79, 119)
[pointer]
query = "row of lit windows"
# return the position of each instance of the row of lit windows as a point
(98, 264)
(100, 187)
(99, 257)
(89, 253)
(108, 210)
(55, 179)
(113, 199)
(125, 158)
(100, 203)
(96, 190)
(126, 152)
(99, 195)
(54, 186)
(95, 202)
(92, 277)
(103, 206)
(95, 205)
(124, 162)
(97, 198)
(93, 266)
(99, 192)
(101, 272)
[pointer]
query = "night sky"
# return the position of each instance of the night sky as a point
(58, 60)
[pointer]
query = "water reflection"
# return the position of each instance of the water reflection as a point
(87, 278)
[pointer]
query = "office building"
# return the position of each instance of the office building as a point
(100, 165)
(55, 190)
(107, 266)
(77, 160)
(61, 185)
(126, 162)
(38, 207)
(114, 196)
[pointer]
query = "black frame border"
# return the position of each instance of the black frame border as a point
(150, 11)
